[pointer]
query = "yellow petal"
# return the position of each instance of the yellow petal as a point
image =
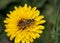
(39, 18)
(40, 22)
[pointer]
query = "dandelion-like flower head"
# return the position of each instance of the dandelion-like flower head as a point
(24, 24)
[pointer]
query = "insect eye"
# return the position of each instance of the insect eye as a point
(20, 22)
(32, 20)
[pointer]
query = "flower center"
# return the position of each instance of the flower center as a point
(25, 23)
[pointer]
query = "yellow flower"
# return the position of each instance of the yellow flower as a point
(24, 24)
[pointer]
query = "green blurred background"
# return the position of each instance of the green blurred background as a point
(49, 8)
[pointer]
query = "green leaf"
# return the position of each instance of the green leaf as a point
(1, 23)
(3, 37)
(50, 16)
(39, 3)
(4, 3)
